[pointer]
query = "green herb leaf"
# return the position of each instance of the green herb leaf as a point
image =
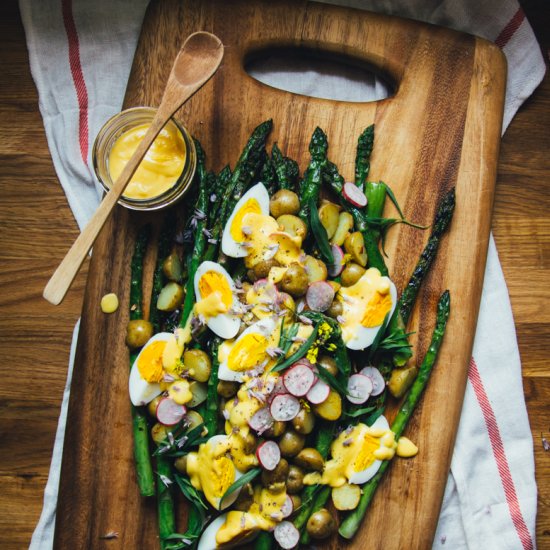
(285, 340)
(243, 480)
(190, 493)
(299, 353)
(392, 198)
(378, 337)
(370, 420)
(320, 234)
(360, 412)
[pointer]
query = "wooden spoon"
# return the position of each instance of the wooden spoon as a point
(199, 58)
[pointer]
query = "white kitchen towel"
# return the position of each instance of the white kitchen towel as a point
(80, 55)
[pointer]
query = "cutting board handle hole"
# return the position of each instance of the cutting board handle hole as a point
(319, 74)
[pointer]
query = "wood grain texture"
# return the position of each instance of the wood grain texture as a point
(33, 240)
(447, 107)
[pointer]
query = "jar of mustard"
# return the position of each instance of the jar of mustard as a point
(165, 173)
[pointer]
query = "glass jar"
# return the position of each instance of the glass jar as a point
(123, 122)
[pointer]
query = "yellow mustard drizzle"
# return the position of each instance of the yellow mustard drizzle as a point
(161, 167)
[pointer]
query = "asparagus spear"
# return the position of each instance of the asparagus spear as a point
(351, 524)
(165, 500)
(311, 185)
(144, 470)
(268, 176)
(286, 169)
(362, 158)
(201, 211)
(211, 413)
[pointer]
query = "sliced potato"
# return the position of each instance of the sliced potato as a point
(293, 225)
(401, 380)
(199, 391)
(194, 419)
(354, 245)
(345, 225)
(159, 432)
(171, 267)
(170, 297)
(346, 497)
(329, 214)
(331, 408)
(316, 269)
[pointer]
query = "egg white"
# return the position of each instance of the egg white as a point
(363, 337)
(363, 476)
(208, 538)
(230, 247)
(141, 391)
(225, 325)
(265, 327)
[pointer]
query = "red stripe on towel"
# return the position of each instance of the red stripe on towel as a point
(78, 77)
(500, 457)
(508, 31)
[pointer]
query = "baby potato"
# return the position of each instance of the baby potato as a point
(181, 464)
(304, 422)
(316, 269)
(351, 274)
(283, 202)
(171, 267)
(199, 391)
(291, 443)
(227, 389)
(276, 475)
(170, 297)
(309, 459)
(287, 302)
(354, 245)
(401, 380)
(152, 406)
(335, 309)
(321, 524)
(331, 408)
(294, 480)
(293, 225)
(328, 363)
(197, 364)
(277, 429)
(261, 269)
(159, 432)
(245, 499)
(345, 225)
(346, 497)
(329, 214)
(295, 280)
(138, 332)
(193, 419)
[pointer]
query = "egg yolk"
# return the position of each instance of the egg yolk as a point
(250, 206)
(248, 352)
(150, 362)
(161, 167)
(211, 471)
(211, 282)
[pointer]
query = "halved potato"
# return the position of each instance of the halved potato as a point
(346, 497)
(345, 225)
(170, 297)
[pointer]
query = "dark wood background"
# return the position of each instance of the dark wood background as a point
(37, 225)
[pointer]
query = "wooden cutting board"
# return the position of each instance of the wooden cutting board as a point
(440, 129)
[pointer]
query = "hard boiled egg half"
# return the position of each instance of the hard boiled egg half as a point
(254, 201)
(216, 299)
(250, 350)
(212, 471)
(364, 308)
(228, 531)
(147, 371)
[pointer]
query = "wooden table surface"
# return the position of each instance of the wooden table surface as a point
(36, 227)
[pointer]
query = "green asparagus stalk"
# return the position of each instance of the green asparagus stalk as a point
(165, 500)
(375, 192)
(142, 457)
(351, 524)
(286, 169)
(211, 413)
(201, 209)
(268, 176)
(362, 158)
(264, 541)
(311, 185)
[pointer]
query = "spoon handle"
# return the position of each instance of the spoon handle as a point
(64, 275)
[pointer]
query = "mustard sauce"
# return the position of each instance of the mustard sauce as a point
(161, 167)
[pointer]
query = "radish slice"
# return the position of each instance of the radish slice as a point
(277, 389)
(318, 393)
(378, 382)
(285, 407)
(353, 194)
(169, 412)
(298, 379)
(319, 296)
(286, 535)
(268, 454)
(261, 420)
(288, 507)
(359, 388)
(337, 266)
